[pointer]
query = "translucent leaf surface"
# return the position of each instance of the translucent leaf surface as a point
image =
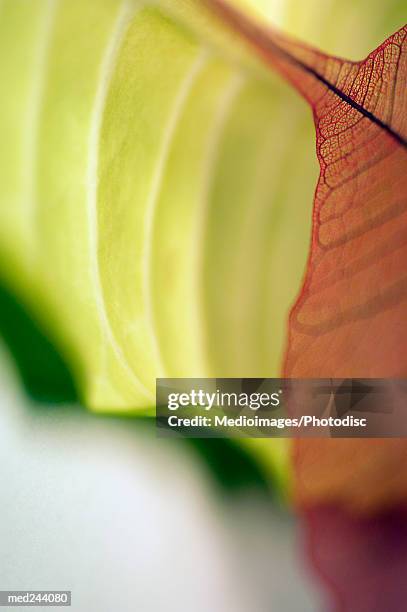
(136, 185)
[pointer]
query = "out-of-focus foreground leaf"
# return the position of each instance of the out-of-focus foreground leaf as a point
(363, 561)
(45, 375)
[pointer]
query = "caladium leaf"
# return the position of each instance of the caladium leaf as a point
(115, 163)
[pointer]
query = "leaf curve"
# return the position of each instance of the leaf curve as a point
(86, 126)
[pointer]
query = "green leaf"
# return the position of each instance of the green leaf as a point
(112, 157)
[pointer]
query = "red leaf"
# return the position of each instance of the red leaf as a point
(350, 317)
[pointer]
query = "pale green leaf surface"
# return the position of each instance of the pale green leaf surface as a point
(128, 134)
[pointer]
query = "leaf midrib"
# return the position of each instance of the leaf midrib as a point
(258, 37)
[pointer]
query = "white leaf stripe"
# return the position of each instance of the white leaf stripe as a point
(230, 94)
(177, 110)
(126, 13)
(35, 104)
